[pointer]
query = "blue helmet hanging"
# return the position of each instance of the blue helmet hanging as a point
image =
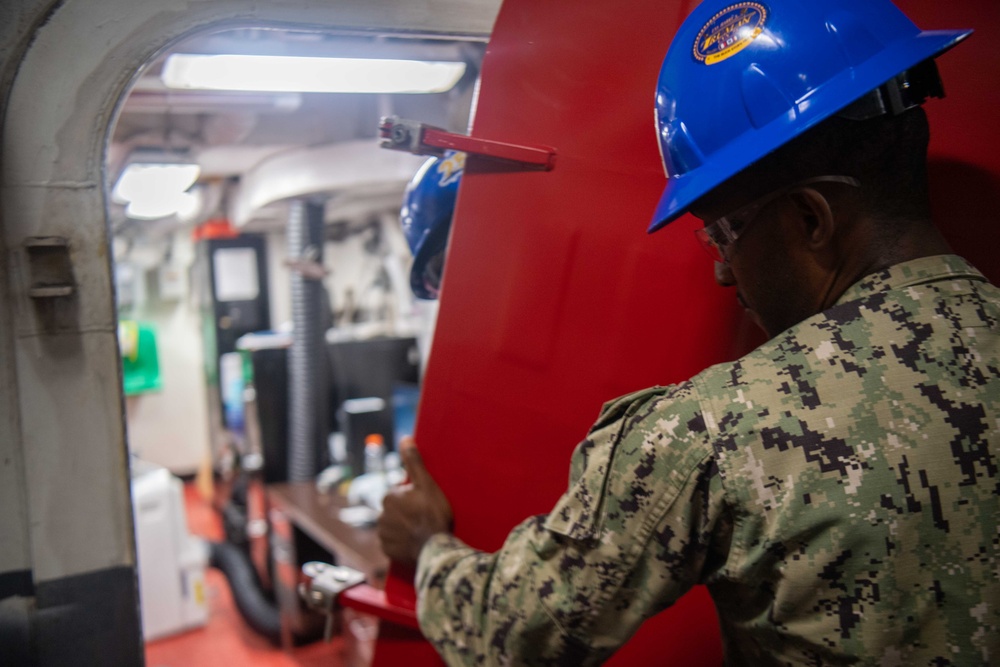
(426, 215)
(741, 79)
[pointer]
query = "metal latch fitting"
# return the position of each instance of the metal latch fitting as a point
(323, 585)
(50, 267)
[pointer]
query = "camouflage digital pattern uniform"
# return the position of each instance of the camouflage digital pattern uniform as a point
(837, 491)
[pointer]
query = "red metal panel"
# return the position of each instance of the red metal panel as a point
(965, 132)
(556, 300)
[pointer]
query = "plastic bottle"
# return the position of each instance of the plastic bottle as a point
(375, 454)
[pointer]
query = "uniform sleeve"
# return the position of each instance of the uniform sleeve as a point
(642, 521)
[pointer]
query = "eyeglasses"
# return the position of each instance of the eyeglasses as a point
(719, 235)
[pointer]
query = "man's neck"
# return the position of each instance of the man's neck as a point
(866, 253)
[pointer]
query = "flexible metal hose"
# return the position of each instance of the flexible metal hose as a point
(306, 357)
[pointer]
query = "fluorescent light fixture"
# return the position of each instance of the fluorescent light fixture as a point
(308, 74)
(155, 190)
(181, 204)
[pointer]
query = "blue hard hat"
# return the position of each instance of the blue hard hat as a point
(741, 79)
(428, 205)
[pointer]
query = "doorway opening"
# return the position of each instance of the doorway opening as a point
(215, 287)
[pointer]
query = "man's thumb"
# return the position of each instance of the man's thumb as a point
(413, 463)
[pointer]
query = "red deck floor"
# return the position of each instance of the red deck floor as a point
(226, 639)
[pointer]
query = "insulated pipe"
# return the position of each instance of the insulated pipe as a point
(306, 357)
(259, 613)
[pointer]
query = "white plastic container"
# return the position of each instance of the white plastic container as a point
(171, 561)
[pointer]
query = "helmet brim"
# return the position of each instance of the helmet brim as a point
(684, 190)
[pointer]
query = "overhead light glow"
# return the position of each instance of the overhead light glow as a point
(308, 75)
(154, 191)
(181, 204)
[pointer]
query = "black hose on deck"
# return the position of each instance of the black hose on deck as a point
(259, 613)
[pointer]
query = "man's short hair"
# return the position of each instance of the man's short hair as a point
(887, 154)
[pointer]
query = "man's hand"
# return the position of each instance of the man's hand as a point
(412, 512)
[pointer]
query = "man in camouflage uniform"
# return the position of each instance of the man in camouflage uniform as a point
(837, 490)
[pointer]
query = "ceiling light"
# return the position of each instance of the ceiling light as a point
(164, 205)
(155, 190)
(309, 75)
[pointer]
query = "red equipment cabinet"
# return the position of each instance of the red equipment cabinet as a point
(555, 299)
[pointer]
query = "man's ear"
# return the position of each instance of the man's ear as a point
(814, 222)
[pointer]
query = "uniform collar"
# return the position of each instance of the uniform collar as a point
(914, 272)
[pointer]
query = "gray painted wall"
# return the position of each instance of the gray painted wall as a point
(17, 19)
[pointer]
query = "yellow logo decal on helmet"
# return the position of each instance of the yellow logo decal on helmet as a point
(450, 168)
(729, 32)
